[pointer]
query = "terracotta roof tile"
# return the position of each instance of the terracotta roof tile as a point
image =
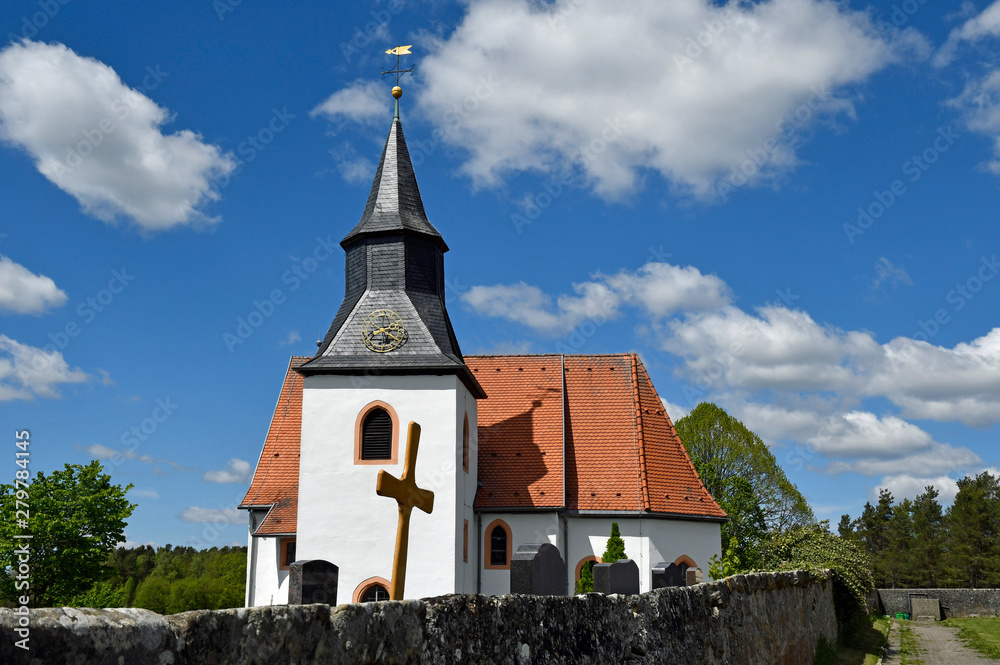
(276, 479)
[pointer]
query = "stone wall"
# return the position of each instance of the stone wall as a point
(764, 618)
(954, 602)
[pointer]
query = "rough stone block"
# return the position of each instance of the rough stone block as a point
(694, 576)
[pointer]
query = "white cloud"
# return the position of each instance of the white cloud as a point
(986, 24)
(27, 371)
(24, 292)
(292, 337)
(364, 101)
(214, 515)
(102, 452)
(779, 348)
(675, 411)
(236, 471)
(100, 141)
(660, 289)
(906, 486)
(886, 272)
(571, 93)
(146, 493)
(980, 105)
(927, 381)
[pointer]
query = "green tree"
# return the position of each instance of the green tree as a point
(898, 557)
(873, 531)
(928, 533)
(813, 547)
(615, 548)
(723, 449)
(974, 532)
(586, 582)
(77, 517)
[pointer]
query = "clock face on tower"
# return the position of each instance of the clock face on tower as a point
(383, 331)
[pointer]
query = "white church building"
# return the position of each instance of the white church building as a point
(517, 449)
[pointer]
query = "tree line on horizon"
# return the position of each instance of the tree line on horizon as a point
(919, 544)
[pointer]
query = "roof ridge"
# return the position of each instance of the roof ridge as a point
(275, 427)
(641, 443)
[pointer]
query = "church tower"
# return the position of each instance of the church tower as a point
(389, 357)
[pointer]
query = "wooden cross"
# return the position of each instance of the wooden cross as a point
(406, 493)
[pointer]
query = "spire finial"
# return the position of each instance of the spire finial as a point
(397, 92)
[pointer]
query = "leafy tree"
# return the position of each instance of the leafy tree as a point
(722, 450)
(76, 518)
(615, 548)
(814, 547)
(586, 582)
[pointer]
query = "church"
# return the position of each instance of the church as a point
(517, 449)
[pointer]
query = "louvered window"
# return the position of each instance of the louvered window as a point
(498, 546)
(376, 435)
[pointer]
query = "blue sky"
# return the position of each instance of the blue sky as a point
(784, 207)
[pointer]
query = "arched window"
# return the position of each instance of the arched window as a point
(371, 590)
(497, 543)
(375, 593)
(498, 547)
(376, 434)
(465, 444)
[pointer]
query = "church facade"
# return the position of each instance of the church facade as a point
(517, 449)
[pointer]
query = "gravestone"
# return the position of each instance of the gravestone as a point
(622, 577)
(538, 569)
(312, 581)
(694, 576)
(667, 574)
(925, 608)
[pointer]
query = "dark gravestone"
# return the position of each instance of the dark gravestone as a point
(667, 574)
(312, 581)
(538, 569)
(622, 577)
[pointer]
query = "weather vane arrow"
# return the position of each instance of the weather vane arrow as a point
(398, 51)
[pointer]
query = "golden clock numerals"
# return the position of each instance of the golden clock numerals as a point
(383, 331)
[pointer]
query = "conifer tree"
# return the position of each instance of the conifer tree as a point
(615, 549)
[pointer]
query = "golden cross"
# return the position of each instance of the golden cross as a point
(406, 493)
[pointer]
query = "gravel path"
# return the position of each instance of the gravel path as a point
(939, 645)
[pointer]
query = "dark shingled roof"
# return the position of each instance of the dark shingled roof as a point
(394, 203)
(395, 261)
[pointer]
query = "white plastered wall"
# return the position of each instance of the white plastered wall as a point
(647, 542)
(342, 520)
(270, 585)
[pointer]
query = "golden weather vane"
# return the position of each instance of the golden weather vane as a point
(397, 92)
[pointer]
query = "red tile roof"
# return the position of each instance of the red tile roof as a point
(622, 452)
(276, 479)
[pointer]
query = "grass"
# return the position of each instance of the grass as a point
(983, 635)
(908, 648)
(864, 648)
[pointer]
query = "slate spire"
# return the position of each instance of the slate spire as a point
(394, 203)
(393, 318)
